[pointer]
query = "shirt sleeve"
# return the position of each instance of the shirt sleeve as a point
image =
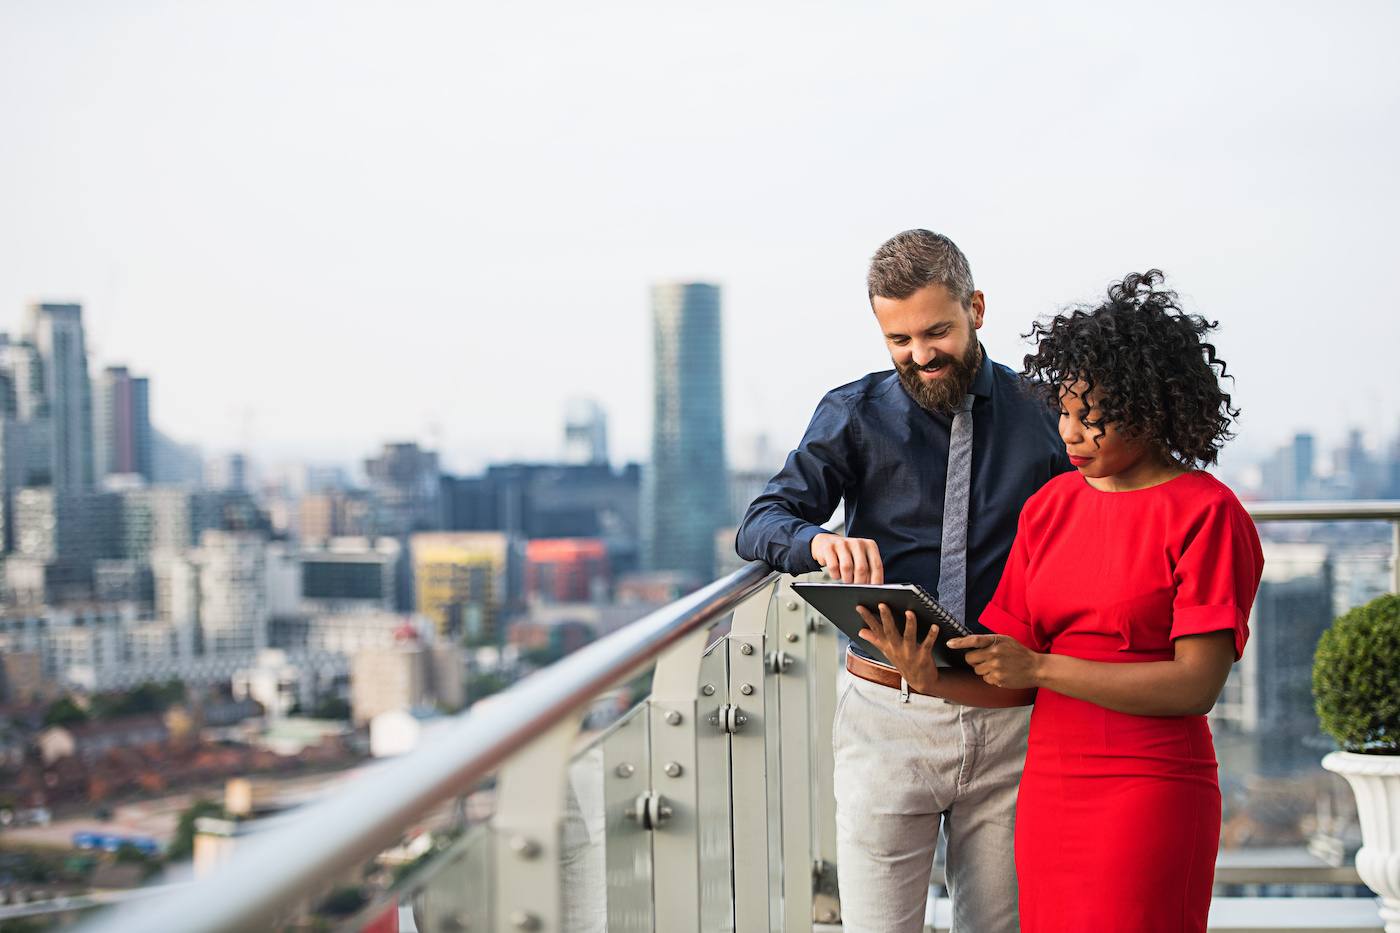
(1217, 575)
(1007, 613)
(779, 525)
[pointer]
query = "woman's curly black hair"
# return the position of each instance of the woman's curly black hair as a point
(1152, 363)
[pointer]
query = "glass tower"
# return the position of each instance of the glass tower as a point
(686, 489)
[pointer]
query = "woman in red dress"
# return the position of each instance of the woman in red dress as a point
(1123, 604)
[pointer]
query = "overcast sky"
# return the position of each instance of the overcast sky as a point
(321, 225)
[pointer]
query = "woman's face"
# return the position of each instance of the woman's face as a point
(1095, 455)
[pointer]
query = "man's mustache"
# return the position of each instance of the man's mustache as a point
(941, 360)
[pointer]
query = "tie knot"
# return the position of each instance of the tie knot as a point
(966, 403)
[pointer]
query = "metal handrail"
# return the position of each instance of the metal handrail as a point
(275, 870)
(1362, 510)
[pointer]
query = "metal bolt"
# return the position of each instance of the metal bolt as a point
(828, 916)
(708, 690)
(625, 770)
(792, 636)
(673, 718)
(746, 689)
(746, 648)
(792, 604)
(740, 719)
(525, 848)
(664, 811)
(524, 920)
(673, 769)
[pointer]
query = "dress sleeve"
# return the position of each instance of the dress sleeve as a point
(1007, 614)
(1217, 575)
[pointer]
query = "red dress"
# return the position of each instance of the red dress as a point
(1118, 816)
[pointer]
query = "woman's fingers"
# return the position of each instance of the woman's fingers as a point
(887, 622)
(930, 639)
(872, 625)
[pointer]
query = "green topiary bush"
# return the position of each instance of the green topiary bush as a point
(1356, 678)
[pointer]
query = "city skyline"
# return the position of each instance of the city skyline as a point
(458, 221)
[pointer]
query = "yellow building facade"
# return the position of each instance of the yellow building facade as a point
(459, 582)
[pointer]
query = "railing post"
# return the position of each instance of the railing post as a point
(825, 666)
(674, 808)
(627, 776)
(794, 643)
(754, 852)
(1395, 556)
(530, 801)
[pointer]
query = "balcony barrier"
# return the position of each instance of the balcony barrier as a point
(707, 806)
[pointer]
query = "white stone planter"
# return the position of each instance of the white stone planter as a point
(1375, 780)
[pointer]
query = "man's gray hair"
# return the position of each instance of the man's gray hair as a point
(908, 261)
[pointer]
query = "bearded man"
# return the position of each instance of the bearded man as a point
(933, 460)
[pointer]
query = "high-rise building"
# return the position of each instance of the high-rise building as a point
(585, 433)
(58, 538)
(26, 432)
(56, 331)
(406, 485)
(233, 612)
(459, 581)
(227, 471)
(175, 464)
(1268, 694)
(164, 520)
(686, 496)
(1303, 456)
(335, 513)
(122, 415)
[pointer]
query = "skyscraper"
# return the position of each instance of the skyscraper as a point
(406, 485)
(123, 424)
(56, 330)
(686, 497)
(233, 615)
(585, 433)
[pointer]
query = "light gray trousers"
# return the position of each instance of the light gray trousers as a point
(901, 769)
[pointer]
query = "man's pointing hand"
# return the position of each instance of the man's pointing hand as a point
(850, 560)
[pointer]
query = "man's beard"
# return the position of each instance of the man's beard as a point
(943, 395)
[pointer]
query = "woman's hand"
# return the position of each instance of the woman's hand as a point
(912, 657)
(1001, 660)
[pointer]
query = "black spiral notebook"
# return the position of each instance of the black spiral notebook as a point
(838, 602)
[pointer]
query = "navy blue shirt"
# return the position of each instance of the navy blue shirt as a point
(871, 444)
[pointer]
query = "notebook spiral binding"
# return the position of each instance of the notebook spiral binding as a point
(939, 612)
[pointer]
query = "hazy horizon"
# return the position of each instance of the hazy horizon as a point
(322, 227)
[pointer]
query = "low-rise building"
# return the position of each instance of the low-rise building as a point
(89, 741)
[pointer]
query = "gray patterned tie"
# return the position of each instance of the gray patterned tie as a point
(952, 564)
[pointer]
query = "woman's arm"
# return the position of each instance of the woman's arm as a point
(914, 659)
(1187, 685)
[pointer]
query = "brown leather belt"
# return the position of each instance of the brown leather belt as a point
(874, 671)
